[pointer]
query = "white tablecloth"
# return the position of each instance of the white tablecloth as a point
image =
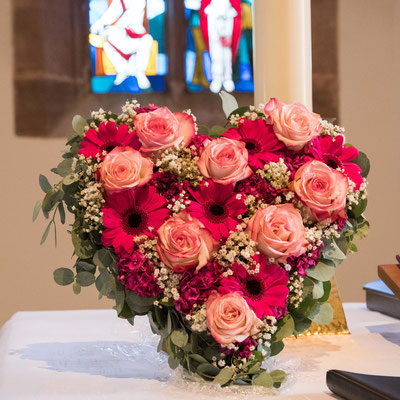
(94, 355)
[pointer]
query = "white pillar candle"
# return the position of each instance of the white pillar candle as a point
(282, 51)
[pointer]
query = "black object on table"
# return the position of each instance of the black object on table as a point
(380, 298)
(352, 386)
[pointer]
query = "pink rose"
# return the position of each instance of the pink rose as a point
(224, 160)
(161, 129)
(229, 318)
(125, 168)
(278, 231)
(184, 243)
(323, 189)
(293, 123)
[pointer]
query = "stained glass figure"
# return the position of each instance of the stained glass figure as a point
(219, 45)
(127, 45)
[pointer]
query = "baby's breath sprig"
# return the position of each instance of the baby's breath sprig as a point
(295, 286)
(181, 162)
(129, 113)
(276, 173)
(330, 129)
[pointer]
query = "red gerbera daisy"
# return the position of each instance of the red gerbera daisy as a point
(106, 138)
(131, 213)
(217, 207)
(335, 154)
(264, 291)
(260, 139)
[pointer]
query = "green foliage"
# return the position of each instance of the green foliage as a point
(363, 162)
(44, 184)
(323, 271)
(224, 376)
(286, 328)
(276, 348)
(85, 278)
(63, 276)
(78, 124)
(229, 103)
(179, 338)
(216, 131)
(264, 379)
(36, 210)
(323, 314)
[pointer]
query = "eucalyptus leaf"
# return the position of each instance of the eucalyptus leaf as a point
(264, 379)
(301, 325)
(276, 348)
(362, 230)
(61, 211)
(44, 184)
(323, 314)
(83, 248)
(179, 338)
(36, 210)
(70, 179)
(52, 198)
(208, 369)
(363, 162)
(256, 367)
(76, 287)
(327, 290)
(78, 124)
(318, 290)
(216, 131)
(278, 375)
(357, 209)
(85, 278)
(46, 233)
(63, 276)
(65, 167)
(173, 362)
(229, 103)
(286, 329)
(87, 266)
(224, 376)
(331, 251)
(103, 258)
(197, 357)
(322, 271)
(105, 283)
(202, 130)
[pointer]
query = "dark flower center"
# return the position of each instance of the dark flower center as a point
(332, 161)
(109, 146)
(252, 146)
(254, 288)
(134, 221)
(215, 212)
(216, 209)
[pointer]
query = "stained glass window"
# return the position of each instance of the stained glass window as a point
(127, 45)
(219, 45)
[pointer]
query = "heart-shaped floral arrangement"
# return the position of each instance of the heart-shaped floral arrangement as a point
(227, 239)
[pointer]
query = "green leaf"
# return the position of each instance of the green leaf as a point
(76, 287)
(362, 230)
(318, 290)
(63, 276)
(78, 124)
(61, 211)
(301, 325)
(36, 210)
(85, 278)
(264, 379)
(322, 271)
(105, 283)
(179, 338)
(239, 111)
(65, 167)
(173, 362)
(70, 179)
(256, 367)
(357, 209)
(52, 198)
(332, 252)
(229, 103)
(363, 162)
(286, 329)
(44, 184)
(46, 233)
(323, 314)
(103, 258)
(224, 376)
(276, 348)
(278, 375)
(140, 305)
(327, 290)
(216, 131)
(83, 248)
(198, 358)
(353, 248)
(86, 266)
(208, 369)
(202, 130)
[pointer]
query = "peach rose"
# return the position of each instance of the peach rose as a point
(161, 129)
(224, 160)
(293, 123)
(125, 168)
(321, 188)
(184, 243)
(229, 318)
(278, 231)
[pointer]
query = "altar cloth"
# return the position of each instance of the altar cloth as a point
(91, 354)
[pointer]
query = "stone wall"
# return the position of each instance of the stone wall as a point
(52, 67)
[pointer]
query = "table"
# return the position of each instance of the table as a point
(91, 354)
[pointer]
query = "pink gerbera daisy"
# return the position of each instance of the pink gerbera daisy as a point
(260, 139)
(264, 292)
(106, 138)
(217, 207)
(130, 213)
(334, 153)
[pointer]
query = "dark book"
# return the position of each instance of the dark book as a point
(352, 386)
(380, 298)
